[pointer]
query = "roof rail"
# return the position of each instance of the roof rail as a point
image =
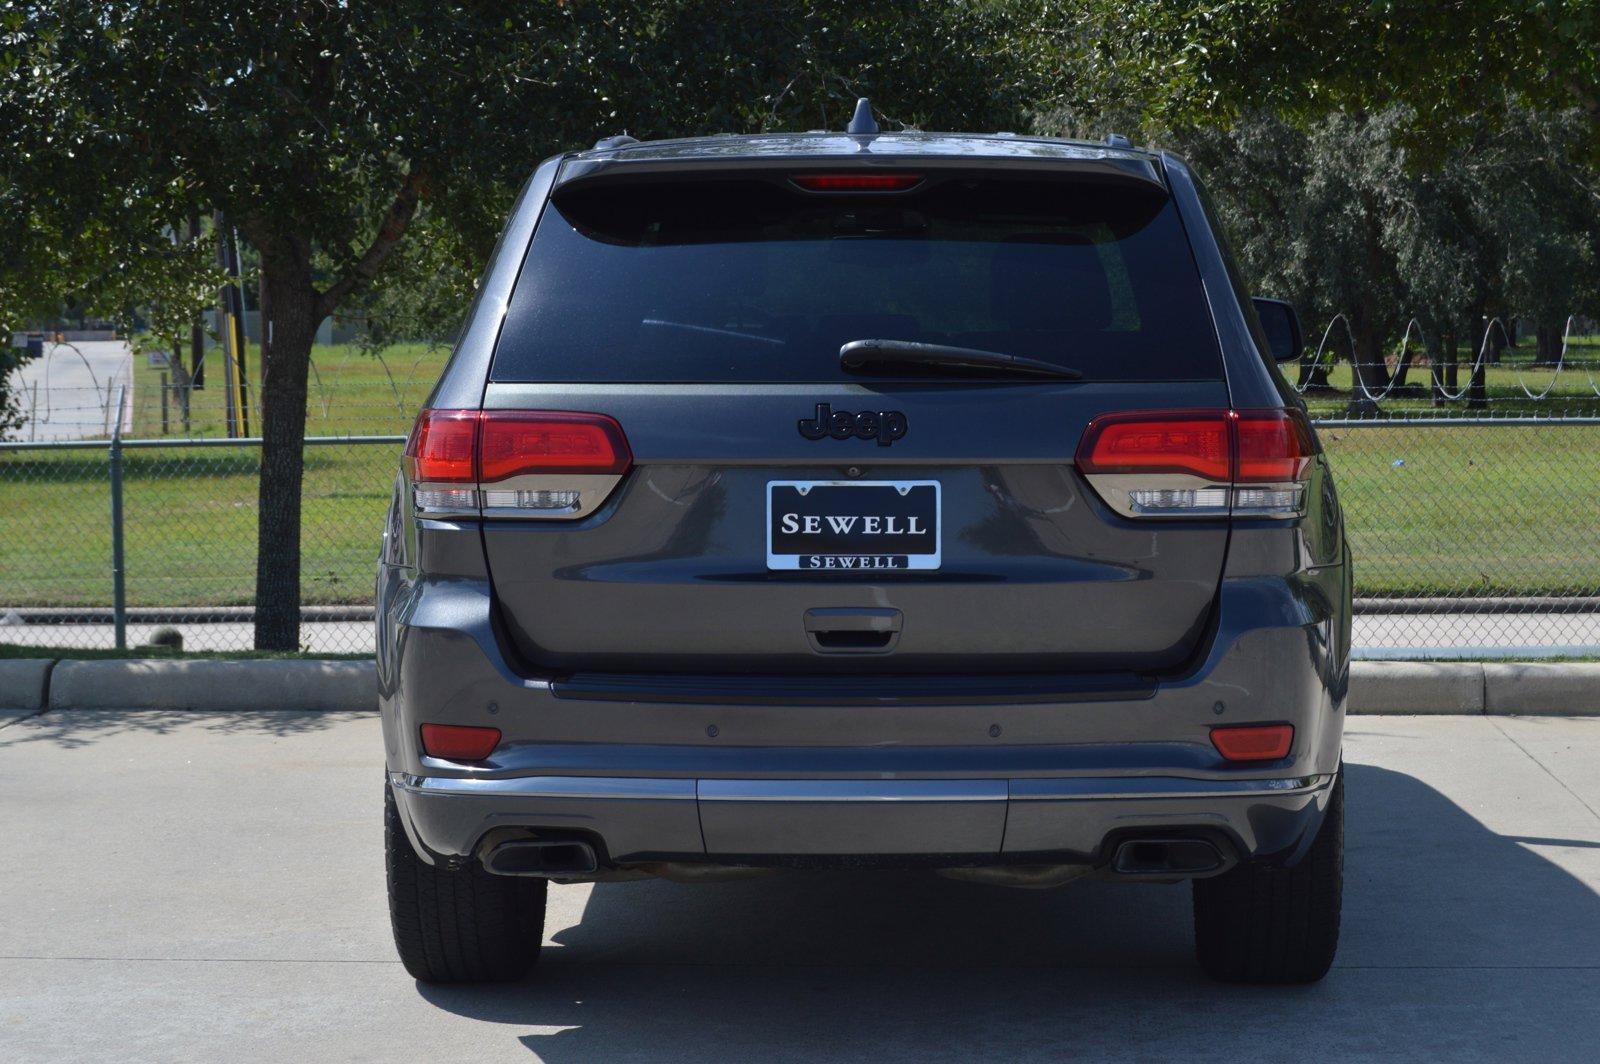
(1117, 140)
(621, 140)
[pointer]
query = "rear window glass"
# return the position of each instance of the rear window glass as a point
(756, 281)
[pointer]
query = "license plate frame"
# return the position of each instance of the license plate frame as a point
(907, 502)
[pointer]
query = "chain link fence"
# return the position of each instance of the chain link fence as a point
(188, 542)
(1471, 537)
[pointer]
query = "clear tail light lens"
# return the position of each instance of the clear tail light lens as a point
(1199, 463)
(515, 463)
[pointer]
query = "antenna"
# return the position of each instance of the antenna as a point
(1117, 140)
(862, 121)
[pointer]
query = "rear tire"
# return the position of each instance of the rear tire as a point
(459, 925)
(1259, 924)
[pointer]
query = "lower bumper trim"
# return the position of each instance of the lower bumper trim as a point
(1077, 788)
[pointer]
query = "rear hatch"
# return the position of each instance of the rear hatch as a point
(768, 509)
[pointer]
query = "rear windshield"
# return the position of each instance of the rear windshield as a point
(757, 281)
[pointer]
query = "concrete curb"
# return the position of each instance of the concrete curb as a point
(23, 683)
(1404, 688)
(1566, 689)
(1414, 688)
(287, 684)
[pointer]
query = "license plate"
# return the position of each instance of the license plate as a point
(849, 525)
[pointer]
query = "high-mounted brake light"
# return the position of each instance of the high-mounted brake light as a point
(1253, 742)
(865, 182)
(515, 463)
(459, 742)
(1199, 463)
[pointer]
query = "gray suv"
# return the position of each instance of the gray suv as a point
(864, 500)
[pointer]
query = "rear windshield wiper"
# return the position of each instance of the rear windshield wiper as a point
(886, 356)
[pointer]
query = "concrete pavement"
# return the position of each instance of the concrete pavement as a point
(193, 886)
(70, 391)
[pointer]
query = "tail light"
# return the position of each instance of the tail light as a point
(515, 463)
(1253, 742)
(1200, 463)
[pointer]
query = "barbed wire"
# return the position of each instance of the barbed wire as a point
(1480, 361)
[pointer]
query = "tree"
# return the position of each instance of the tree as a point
(1449, 62)
(326, 133)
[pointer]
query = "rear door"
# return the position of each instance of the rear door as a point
(781, 514)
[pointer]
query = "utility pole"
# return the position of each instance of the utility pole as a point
(197, 329)
(238, 373)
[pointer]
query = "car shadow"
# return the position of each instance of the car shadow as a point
(1457, 942)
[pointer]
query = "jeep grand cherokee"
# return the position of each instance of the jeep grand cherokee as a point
(867, 499)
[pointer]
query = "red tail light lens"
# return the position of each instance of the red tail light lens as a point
(1178, 442)
(1253, 742)
(1273, 446)
(459, 742)
(857, 182)
(443, 447)
(515, 442)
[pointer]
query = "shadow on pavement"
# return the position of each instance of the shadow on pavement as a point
(75, 728)
(1457, 942)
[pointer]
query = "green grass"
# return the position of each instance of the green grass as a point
(349, 393)
(190, 520)
(1472, 510)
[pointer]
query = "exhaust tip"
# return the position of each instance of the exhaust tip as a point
(535, 857)
(1167, 857)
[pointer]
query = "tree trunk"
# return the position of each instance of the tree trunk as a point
(1404, 368)
(1548, 345)
(1368, 366)
(1312, 375)
(294, 324)
(1477, 389)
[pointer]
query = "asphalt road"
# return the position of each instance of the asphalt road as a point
(187, 886)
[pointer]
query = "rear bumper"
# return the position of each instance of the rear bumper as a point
(970, 821)
(724, 778)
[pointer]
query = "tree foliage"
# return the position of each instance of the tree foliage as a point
(332, 135)
(1450, 62)
(1336, 215)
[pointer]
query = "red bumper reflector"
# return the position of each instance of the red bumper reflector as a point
(1253, 742)
(459, 742)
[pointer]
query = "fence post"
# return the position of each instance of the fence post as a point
(119, 596)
